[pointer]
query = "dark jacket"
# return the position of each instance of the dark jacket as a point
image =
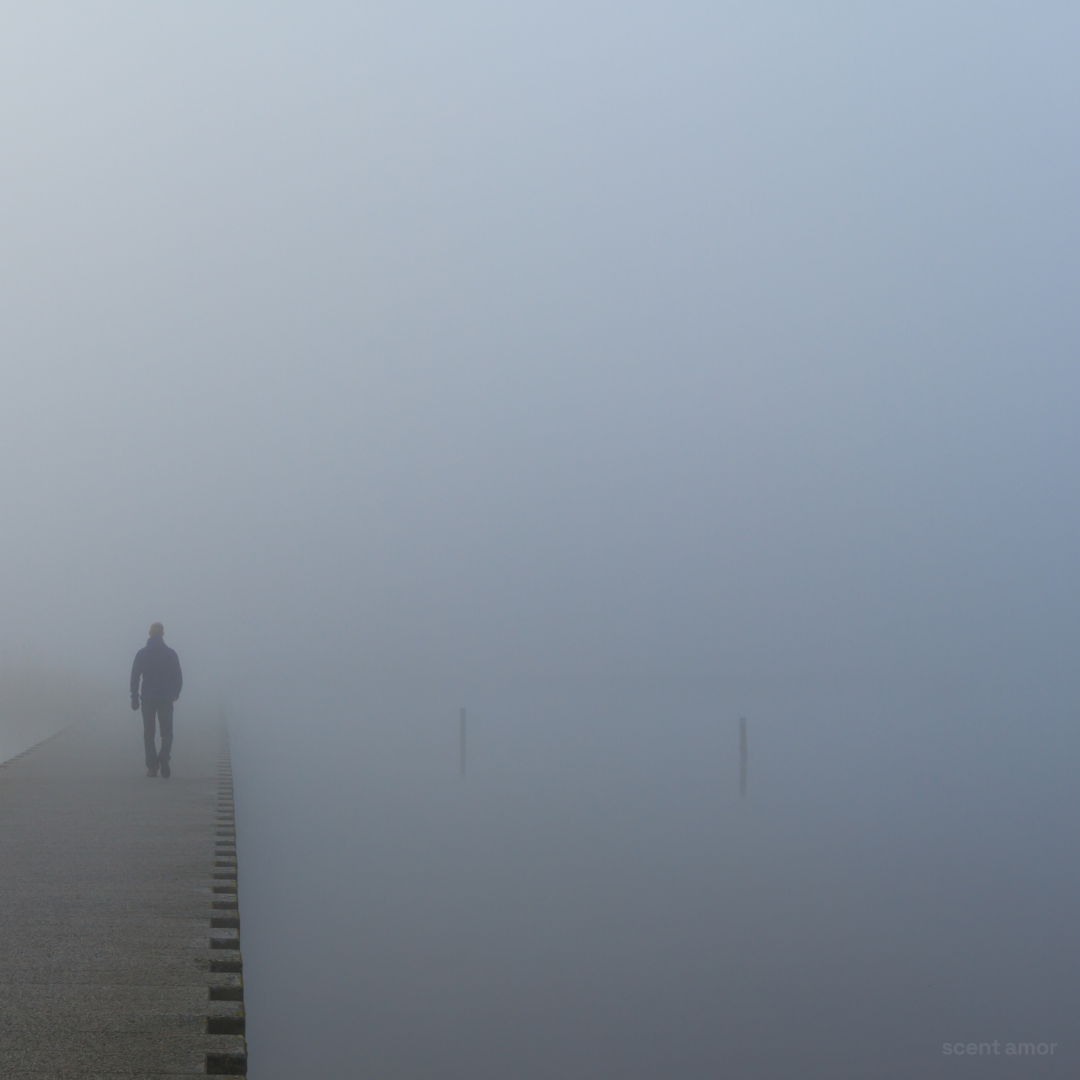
(159, 668)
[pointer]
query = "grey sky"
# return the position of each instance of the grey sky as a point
(695, 339)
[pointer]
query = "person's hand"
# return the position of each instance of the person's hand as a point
(134, 702)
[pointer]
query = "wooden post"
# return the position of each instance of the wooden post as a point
(743, 756)
(462, 744)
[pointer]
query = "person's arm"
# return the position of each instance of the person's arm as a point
(179, 677)
(136, 674)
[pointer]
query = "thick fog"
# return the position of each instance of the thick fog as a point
(614, 372)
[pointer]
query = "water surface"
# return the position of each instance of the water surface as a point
(596, 899)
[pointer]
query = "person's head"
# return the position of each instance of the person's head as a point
(157, 630)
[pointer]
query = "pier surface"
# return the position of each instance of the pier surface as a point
(118, 914)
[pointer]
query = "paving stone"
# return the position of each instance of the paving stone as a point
(107, 899)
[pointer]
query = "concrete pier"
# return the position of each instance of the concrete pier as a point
(119, 924)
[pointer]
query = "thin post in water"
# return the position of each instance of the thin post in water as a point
(743, 756)
(463, 744)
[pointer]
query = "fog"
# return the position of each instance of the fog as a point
(614, 372)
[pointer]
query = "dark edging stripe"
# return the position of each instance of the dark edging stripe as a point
(225, 992)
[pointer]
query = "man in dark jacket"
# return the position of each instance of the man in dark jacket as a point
(159, 668)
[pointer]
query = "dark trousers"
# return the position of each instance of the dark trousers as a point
(163, 711)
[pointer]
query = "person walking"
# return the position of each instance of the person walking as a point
(158, 667)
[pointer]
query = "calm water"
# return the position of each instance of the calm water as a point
(597, 900)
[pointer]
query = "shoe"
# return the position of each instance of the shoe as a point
(165, 770)
(151, 772)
